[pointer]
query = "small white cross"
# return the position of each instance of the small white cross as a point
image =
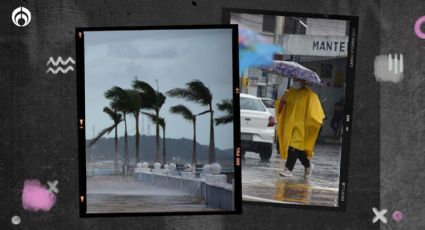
(379, 215)
(52, 186)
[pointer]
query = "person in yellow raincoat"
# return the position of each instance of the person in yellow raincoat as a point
(300, 116)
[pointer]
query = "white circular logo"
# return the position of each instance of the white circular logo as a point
(21, 16)
(16, 220)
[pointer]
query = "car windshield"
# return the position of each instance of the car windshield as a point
(268, 103)
(251, 104)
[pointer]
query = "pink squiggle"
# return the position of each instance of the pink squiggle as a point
(36, 197)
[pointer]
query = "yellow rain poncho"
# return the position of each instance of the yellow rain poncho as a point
(299, 121)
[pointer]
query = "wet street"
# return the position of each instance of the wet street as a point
(261, 181)
(115, 194)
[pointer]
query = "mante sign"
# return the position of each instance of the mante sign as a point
(331, 46)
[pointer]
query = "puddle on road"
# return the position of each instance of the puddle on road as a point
(261, 182)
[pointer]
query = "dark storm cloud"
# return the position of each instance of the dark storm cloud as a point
(131, 51)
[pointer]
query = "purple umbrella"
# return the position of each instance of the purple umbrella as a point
(293, 70)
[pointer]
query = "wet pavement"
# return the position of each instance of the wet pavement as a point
(261, 181)
(115, 194)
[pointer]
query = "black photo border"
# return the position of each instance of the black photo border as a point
(349, 95)
(237, 193)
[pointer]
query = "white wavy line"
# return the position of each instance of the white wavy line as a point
(70, 68)
(60, 60)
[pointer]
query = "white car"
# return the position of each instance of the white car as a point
(257, 127)
(269, 103)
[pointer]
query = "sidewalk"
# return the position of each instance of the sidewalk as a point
(115, 194)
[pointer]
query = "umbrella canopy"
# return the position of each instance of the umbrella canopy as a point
(254, 50)
(293, 70)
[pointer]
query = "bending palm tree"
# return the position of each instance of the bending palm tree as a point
(161, 122)
(128, 102)
(134, 108)
(197, 92)
(226, 106)
(151, 99)
(188, 115)
(116, 117)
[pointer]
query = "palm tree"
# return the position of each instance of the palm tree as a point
(128, 102)
(116, 117)
(226, 105)
(197, 92)
(134, 107)
(161, 122)
(188, 115)
(154, 100)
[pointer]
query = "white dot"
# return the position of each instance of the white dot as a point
(16, 220)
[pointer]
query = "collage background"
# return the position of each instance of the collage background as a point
(38, 114)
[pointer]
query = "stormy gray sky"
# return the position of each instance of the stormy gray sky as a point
(174, 57)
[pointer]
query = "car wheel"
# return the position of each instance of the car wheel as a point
(266, 152)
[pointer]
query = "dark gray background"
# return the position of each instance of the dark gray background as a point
(38, 113)
(402, 117)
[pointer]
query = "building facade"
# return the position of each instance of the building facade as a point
(318, 44)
